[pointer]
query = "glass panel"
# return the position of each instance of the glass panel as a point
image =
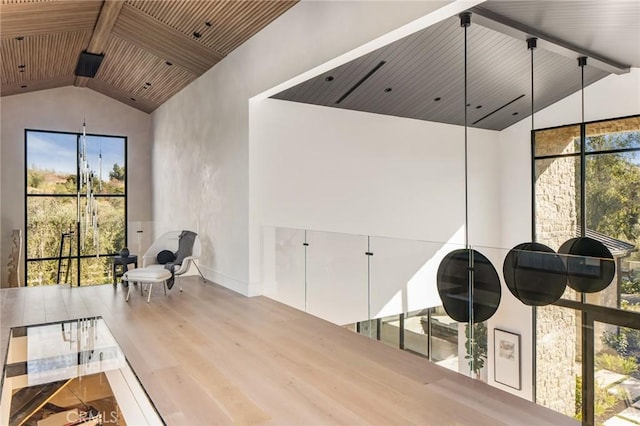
(617, 391)
(337, 277)
(416, 332)
(562, 140)
(96, 270)
(613, 134)
(557, 189)
(47, 219)
(45, 272)
(287, 283)
(444, 339)
(390, 330)
(369, 328)
(111, 167)
(47, 173)
(629, 274)
(558, 353)
(613, 218)
(111, 224)
(403, 275)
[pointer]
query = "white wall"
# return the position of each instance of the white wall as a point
(613, 96)
(62, 110)
(351, 172)
(203, 132)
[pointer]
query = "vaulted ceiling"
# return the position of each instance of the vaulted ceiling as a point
(152, 49)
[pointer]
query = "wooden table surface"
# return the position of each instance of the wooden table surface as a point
(211, 356)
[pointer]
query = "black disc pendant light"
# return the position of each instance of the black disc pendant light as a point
(590, 265)
(468, 284)
(533, 272)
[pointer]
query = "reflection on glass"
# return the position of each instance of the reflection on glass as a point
(558, 352)
(617, 376)
(71, 372)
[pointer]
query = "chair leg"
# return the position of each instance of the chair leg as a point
(164, 284)
(180, 280)
(128, 293)
(149, 295)
(200, 272)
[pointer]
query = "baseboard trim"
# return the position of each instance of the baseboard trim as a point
(225, 281)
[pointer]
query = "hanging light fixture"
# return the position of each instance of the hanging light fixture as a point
(533, 272)
(467, 282)
(87, 216)
(590, 265)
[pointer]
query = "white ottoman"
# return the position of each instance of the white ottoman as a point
(147, 276)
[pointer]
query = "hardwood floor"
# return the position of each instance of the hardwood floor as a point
(211, 356)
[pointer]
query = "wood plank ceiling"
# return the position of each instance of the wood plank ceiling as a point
(152, 49)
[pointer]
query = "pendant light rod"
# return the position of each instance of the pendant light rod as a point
(582, 62)
(532, 44)
(465, 22)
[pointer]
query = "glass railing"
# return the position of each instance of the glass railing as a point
(421, 296)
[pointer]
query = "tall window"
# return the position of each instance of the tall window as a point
(59, 247)
(587, 182)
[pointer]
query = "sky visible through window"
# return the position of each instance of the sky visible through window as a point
(57, 152)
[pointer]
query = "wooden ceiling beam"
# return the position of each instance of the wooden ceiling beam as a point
(163, 41)
(106, 20)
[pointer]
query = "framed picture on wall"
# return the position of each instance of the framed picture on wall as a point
(506, 358)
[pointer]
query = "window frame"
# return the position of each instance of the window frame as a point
(78, 257)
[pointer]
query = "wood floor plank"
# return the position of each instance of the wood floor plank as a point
(210, 356)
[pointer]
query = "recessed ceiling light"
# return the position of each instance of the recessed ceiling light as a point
(515, 113)
(169, 63)
(479, 106)
(437, 99)
(388, 89)
(23, 86)
(197, 34)
(19, 38)
(329, 78)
